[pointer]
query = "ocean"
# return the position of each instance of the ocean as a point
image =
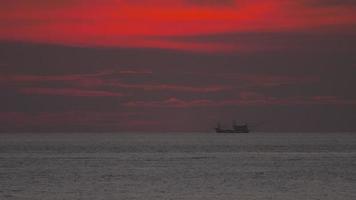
(172, 166)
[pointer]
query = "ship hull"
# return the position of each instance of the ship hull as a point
(231, 131)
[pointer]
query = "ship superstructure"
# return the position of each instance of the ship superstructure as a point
(243, 128)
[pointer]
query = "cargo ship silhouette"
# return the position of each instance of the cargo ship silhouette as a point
(235, 128)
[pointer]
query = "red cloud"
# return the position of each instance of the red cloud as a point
(90, 85)
(80, 81)
(251, 99)
(94, 77)
(170, 87)
(133, 23)
(244, 80)
(69, 92)
(172, 102)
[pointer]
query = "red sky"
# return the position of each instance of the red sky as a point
(153, 23)
(177, 65)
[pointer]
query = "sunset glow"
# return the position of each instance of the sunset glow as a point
(158, 24)
(181, 65)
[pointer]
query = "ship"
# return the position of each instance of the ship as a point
(235, 128)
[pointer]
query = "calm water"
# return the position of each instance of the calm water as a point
(178, 166)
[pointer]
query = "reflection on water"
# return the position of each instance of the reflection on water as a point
(178, 166)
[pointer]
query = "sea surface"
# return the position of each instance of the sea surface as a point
(172, 166)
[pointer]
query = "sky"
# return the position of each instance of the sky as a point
(177, 65)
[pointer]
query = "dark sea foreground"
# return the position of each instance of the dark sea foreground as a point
(178, 166)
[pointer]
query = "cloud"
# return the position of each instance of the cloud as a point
(70, 118)
(254, 80)
(69, 92)
(110, 83)
(99, 79)
(212, 2)
(135, 72)
(53, 4)
(330, 3)
(78, 80)
(144, 84)
(317, 39)
(171, 102)
(134, 23)
(246, 99)
(170, 87)
(11, 78)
